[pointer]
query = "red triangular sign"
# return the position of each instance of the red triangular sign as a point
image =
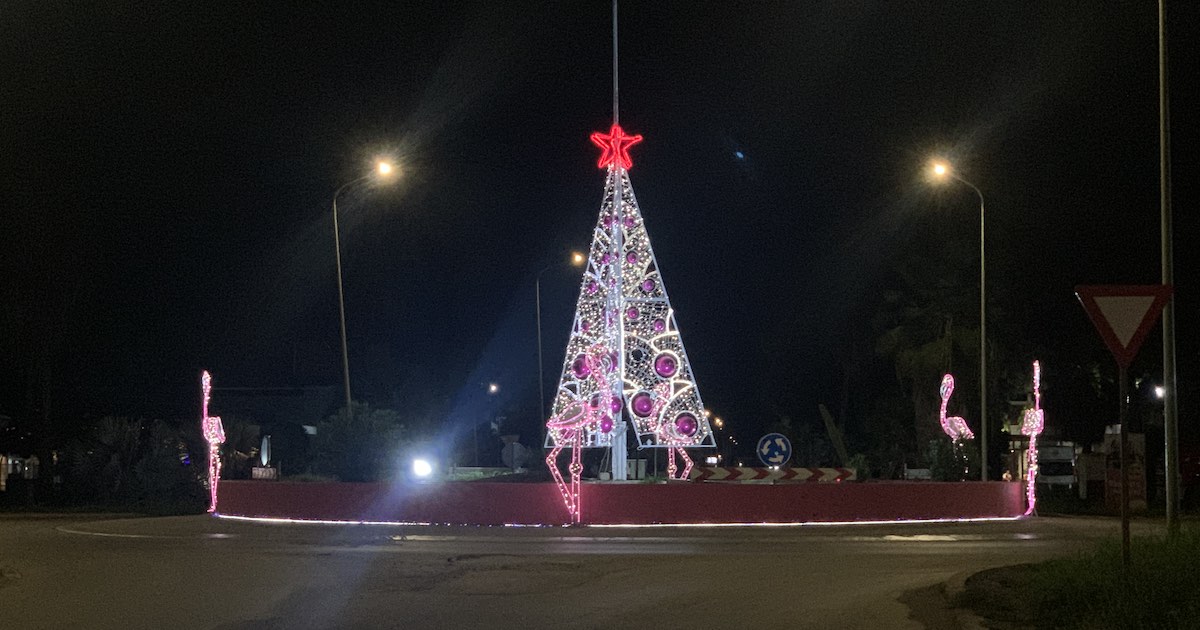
(1124, 314)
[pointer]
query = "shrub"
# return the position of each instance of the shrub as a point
(358, 444)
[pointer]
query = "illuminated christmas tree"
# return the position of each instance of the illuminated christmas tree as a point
(625, 357)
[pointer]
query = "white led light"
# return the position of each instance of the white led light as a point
(422, 468)
(1032, 425)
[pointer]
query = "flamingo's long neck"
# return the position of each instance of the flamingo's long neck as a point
(206, 383)
(1037, 385)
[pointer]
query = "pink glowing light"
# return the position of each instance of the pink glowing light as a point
(913, 521)
(668, 433)
(615, 147)
(916, 521)
(570, 426)
(1032, 425)
(214, 434)
(954, 426)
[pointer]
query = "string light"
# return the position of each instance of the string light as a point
(1032, 424)
(214, 434)
(567, 428)
(954, 426)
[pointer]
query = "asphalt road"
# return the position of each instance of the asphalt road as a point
(201, 572)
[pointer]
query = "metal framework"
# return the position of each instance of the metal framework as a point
(625, 357)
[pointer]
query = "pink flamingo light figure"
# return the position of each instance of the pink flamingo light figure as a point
(954, 426)
(214, 434)
(671, 433)
(571, 425)
(1032, 425)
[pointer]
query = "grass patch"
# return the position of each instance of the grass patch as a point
(1087, 590)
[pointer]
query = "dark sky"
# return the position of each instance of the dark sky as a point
(167, 173)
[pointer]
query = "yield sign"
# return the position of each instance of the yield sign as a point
(1124, 314)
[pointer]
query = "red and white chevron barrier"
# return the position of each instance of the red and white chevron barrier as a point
(735, 473)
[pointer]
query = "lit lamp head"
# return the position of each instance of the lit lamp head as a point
(939, 170)
(384, 168)
(577, 259)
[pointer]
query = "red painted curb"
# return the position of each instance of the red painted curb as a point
(483, 503)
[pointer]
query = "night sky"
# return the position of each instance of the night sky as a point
(167, 172)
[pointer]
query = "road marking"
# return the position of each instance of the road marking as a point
(80, 532)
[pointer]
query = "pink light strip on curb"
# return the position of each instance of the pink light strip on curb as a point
(923, 521)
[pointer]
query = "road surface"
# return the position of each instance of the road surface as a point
(201, 572)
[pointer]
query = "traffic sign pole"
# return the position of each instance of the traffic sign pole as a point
(1123, 418)
(1124, 315)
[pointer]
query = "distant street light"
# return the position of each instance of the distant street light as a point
(577, 260)
(942, 171)
(385, 170)
(493, 388)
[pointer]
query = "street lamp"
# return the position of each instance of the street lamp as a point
(577, 260)
(384, 170)
(942, 171)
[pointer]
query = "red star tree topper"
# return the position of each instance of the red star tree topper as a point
(615, 147)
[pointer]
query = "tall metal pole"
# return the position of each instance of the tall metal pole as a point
(983, 418)
(616, 116)
(541, 378)
(1170, 401)
(537, 284)
(337, 248)
(616, 302)
(1124, 409)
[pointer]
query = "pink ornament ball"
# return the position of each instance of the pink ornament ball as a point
(580, 367)
(686, 424)
(665, 365)
(642, 404)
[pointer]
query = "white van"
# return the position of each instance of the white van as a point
(1056, 465)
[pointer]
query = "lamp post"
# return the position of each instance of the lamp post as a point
(577, 260)
(382, 169)
(941, 171)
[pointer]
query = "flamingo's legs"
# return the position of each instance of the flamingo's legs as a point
(576, 469)
(687, 467)
(552, 464)
(214, 474)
